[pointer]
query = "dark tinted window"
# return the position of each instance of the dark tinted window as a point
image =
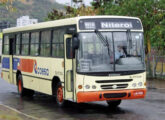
(18, 43)
(25, 44)
(34, 47)
(45, 43)
(6, 45)
(69, 53)
(58, 43)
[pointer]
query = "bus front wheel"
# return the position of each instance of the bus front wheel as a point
(21, 90)
(58, 93)
(113, 103)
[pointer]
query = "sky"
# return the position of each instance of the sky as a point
(87, 2)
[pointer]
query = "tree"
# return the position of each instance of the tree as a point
(8, 4)
(72, 12)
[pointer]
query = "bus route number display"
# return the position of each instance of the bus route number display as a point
(109, 23)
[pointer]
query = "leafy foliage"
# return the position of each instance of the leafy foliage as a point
(8, 4)
(72, 12)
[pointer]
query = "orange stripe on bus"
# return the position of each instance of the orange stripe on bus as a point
(99, 95)
(26, 65)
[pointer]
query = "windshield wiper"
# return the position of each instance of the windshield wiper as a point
(129, 38)
(103, 40)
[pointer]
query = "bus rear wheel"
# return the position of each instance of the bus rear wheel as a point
(113, 103)
(58, 93)
(21, 90)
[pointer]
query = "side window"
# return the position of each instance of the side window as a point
(6, 45)
(34, 47)
(58, 43)
(69, 48)
(25, 44)
(18, 44)
(45, 43)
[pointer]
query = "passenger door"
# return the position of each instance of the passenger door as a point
(69, 82)
(11, 51)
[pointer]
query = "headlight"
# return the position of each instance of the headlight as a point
(134, 85)
(93, 86)
(140, 84)
(87, 86)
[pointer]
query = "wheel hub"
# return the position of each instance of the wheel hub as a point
(60, 94)
(20, 86)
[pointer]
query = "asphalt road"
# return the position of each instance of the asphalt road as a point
(43, 106)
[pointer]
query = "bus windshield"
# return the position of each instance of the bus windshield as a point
(124, 52)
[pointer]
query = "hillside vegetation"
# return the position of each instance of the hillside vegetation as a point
(34, 8)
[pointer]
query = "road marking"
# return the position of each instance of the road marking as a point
(29, 116)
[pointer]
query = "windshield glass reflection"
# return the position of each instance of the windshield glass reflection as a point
(125, 52)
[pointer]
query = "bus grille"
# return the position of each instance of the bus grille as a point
(114, 95)
(114, 81)
(114, 86)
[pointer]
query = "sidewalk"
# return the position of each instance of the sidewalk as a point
(156, 84)
(7, 113)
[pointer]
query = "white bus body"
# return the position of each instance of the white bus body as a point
(41, 57)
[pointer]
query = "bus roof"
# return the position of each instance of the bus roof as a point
(57, 23)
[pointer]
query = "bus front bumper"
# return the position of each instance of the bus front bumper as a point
(110, 95)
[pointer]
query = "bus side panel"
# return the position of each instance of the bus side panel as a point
(5, 75)
(31, 82)
(38, 72)
(45, 86)
(14, 78)
(5, 67)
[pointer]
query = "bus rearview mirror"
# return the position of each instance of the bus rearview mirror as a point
(75, 43)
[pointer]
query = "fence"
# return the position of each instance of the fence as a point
(155, 66)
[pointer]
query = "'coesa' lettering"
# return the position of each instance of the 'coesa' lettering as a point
(40, 71)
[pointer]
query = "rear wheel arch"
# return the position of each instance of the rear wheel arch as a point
(57, 92)
(55, 81)
(17, 74)
(21, 90)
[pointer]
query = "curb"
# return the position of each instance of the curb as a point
(156, 84)
(155, 88)
(21, 113)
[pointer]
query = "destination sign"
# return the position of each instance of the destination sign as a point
(109, 23)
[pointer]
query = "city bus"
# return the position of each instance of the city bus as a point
(81, 59)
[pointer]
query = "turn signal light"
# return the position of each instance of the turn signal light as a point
(80, 87)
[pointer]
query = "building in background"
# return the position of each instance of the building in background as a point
(25, 20)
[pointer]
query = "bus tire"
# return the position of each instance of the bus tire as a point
(58, 93)
(113, 103)
(21, 90)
